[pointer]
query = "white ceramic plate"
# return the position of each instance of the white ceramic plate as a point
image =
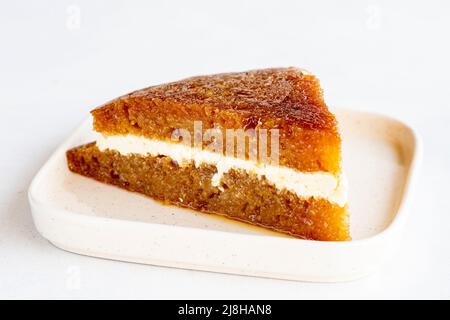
(84, 216)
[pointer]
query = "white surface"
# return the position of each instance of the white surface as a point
(386, 56)
(80, 215)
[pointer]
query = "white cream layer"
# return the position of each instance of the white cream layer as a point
(305, 184)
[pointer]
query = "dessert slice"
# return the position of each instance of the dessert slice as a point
(258, 146)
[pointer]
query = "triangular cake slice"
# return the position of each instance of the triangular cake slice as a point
(258, 146)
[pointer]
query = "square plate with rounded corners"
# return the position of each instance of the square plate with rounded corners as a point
(380, 158)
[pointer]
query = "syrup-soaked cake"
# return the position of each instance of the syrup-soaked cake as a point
(258, 146)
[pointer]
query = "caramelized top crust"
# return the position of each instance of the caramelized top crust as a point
(283, 93)
(283, 98)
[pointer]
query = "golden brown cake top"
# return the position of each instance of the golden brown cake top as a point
(284, 93)
(285, 99)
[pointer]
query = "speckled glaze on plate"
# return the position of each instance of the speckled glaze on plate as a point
(381, 157)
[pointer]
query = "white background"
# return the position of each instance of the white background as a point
(60, 59)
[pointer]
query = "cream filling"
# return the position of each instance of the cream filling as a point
(305, 184)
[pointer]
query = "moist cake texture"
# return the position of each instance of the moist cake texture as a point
(307, 199)
(243, 197)
(283, 98)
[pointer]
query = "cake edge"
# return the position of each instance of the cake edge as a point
(88, 161)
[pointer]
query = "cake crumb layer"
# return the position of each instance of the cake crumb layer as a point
(240, 196)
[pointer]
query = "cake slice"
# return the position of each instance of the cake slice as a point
(258, 146)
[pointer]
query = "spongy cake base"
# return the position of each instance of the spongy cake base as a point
(240, 196)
